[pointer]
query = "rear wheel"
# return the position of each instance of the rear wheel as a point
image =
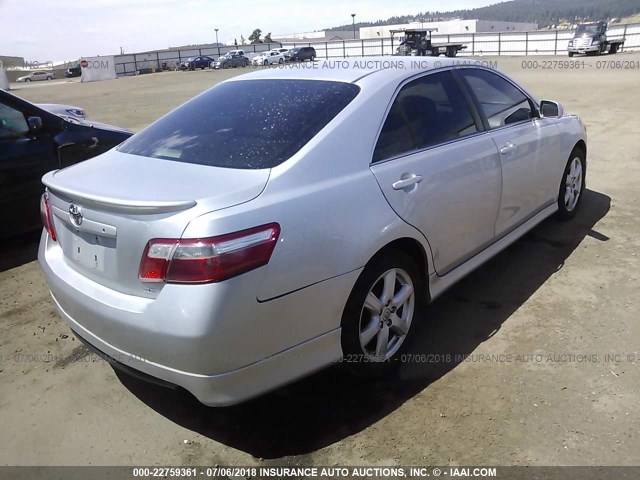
(265, 63)
(614, 49)
(379, 313)
(572, 185)
(281, 61)
(27, 79)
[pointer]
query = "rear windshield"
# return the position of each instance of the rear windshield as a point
(248, 124)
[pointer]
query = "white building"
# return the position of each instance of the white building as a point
(450, 27)
(319, 36)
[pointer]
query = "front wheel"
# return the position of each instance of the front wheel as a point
(570, 54)
(572, 185)
(379, 313)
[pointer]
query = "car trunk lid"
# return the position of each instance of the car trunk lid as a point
(106, 209)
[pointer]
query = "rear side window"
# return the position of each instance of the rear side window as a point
(247, 124)
(501, 102)
(427, 111)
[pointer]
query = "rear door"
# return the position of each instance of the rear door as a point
(437, 170)
(529, 146)
(24, 159)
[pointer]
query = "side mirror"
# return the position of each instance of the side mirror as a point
(549, 109)
(35, 124)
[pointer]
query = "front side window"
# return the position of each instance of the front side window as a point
(500, 101)
(248, 124)
(12, 123)
(427, 111)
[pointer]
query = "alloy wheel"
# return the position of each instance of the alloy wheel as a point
(573, 184)
(386, 315)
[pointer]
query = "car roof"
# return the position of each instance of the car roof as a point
(351, 70)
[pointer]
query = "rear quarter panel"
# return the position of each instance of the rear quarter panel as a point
(332, 214)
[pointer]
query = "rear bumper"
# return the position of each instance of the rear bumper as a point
(232, 387)
(216, 340)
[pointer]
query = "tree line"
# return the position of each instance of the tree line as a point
(545, 13)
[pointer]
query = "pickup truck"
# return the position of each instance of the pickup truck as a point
(591, 39)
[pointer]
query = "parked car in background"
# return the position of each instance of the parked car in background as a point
(64, 111)
(193, 63)
(265, 244)
(280, 50)
(73, 72)
(230, 61)
(236, 52)
(268, 58)
(300, 54)
(37, 75)
(33, 142)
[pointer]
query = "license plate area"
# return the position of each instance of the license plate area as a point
(90, 251)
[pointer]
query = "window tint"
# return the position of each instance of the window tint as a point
(12, 123)
(426, 112)
(246, 124)
(501, 102)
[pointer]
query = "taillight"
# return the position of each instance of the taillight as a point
(45, 214)
(213, 259)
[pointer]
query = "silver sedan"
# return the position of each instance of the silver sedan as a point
(291, 218)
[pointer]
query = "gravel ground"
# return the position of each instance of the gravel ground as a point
(534, 357)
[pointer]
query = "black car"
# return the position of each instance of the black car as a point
(196, 62)
(32, 143)
(230, 61)
(300, 54)
(73, 72)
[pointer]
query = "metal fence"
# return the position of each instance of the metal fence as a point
(134, 63)
(550, 42)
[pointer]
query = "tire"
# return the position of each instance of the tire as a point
(49, 78)
(313, 58)
(572, 185)
(27, 79)
(371, 318)
(614, 49)
(570, 54)
(265, 63)
(281, 61)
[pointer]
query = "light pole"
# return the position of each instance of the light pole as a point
(353, 18)
(216, 36)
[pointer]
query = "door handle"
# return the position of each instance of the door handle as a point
(508, 148)
(406, 182)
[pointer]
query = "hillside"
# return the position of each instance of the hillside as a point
(543, 12)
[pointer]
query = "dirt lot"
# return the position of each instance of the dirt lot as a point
(549, 309)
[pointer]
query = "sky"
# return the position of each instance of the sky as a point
(65, 30)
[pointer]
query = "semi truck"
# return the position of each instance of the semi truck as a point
(591, 39)
(417, 41)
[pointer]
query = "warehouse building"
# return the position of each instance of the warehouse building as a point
(450, 27)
